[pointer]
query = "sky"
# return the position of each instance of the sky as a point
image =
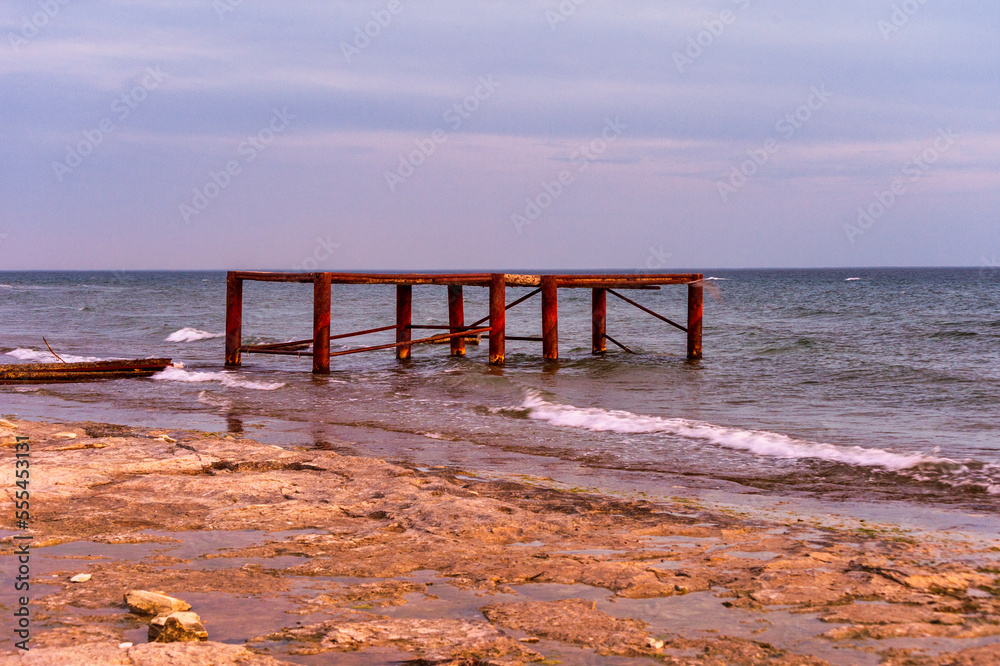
(498, 134)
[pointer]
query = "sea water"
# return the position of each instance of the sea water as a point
(873, 387)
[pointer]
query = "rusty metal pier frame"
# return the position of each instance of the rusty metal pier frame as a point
(457, 330)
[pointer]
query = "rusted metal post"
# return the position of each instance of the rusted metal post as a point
(321, 324)
(498, 317)
(404, 315)
(695, 309)
(600, 320)
(550, 318)
(456, 318)
(234, 320)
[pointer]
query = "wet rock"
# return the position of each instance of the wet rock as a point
(578, 622)
(153, 603)
(177, 627)
(148, 654)
(889, 614)
(430, 640)
(912, 630)
(957, 581)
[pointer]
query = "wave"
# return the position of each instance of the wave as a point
(854, 279)
(918, 466)
(226, 379)
(47, 357)
(716, 278)
(191, 335)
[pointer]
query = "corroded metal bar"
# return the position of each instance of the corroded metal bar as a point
(456, 318)
(234, 319)
(321, 324)
(608, 337)
(275, 352)
(508, 307)
(435, 338)
(695, 310)
(404, 314)
(599, 311)
(622, 281)
(647, 310)
(550, 318)
(498, 317)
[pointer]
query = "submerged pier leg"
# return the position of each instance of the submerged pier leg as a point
(404, 315)
(550, 318)
(234, 320)
(600, 320)
(321, 324)
(695, 309)
(456, 318)
(498, 315)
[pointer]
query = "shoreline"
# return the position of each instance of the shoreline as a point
(351, 557)
(393, 445)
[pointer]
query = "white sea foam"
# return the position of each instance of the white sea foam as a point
(191, 335)
(225, 378)
(759, 442)
(206, 398)
(852, 279)
(917, 466)
(47, 357)
(716, 278)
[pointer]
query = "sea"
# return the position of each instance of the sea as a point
(868, 393)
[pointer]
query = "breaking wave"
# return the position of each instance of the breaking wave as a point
(191, 335)
(47, 357)
(226, 379)
(917, 466)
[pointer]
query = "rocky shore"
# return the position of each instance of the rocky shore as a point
(321, 556)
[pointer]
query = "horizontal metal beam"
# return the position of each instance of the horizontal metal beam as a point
(435, 338)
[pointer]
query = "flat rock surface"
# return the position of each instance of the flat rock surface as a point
(296, 552)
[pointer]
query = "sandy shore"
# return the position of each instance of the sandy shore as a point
(315, 557)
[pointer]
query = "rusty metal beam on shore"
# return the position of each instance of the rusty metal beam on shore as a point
(456, 318)
(234, 320)
(550, 318)
(434, 338)
(647, 310)
(404, 315)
